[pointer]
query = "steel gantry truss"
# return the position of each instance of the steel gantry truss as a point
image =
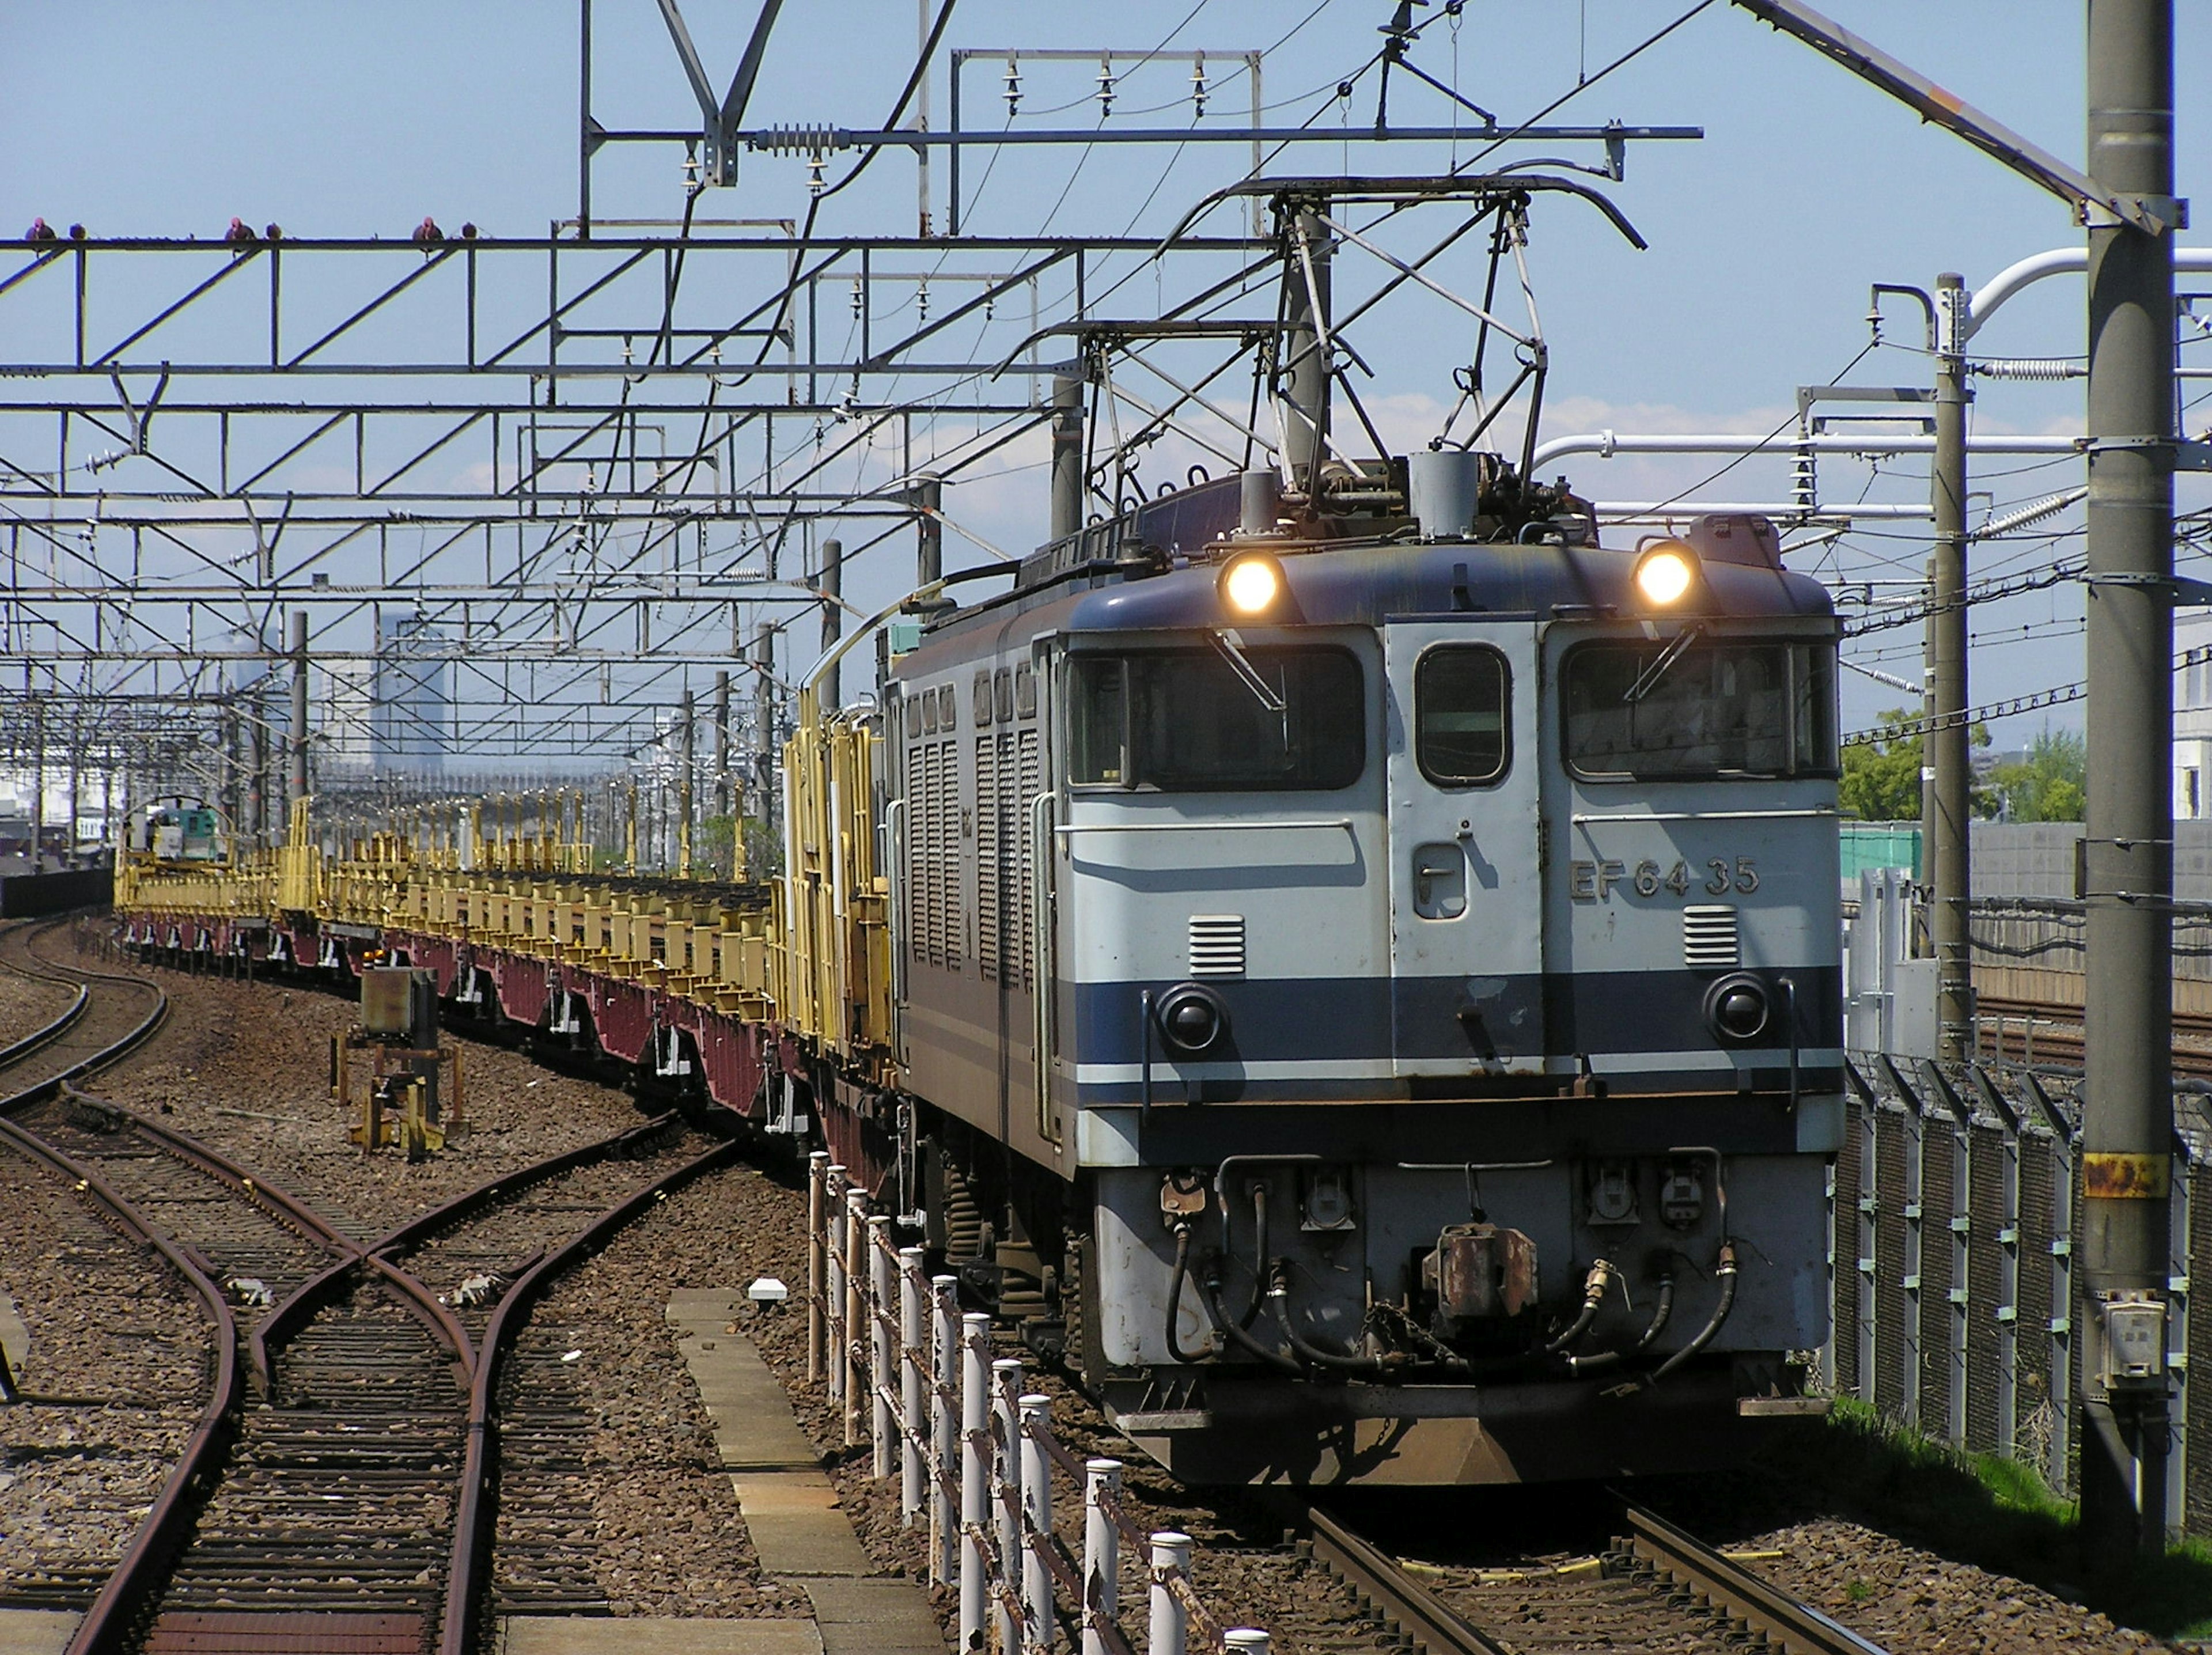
(578, 474)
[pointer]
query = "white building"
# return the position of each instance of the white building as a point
(2192, 719)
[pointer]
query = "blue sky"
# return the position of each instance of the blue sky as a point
(140, 119)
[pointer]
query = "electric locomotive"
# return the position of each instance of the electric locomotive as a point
(1367, 973)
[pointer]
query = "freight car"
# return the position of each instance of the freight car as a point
(1345, 955)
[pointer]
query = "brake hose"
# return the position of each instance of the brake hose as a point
(1278, 1302)
(1593, 1286)
(1659, 1315)
(1175, 1296)
(1725, 1273)
(1236, 1334)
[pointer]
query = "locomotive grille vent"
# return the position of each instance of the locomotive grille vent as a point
(1709, 938)
(1217, 944)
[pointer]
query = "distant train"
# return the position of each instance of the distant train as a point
(1342, 953)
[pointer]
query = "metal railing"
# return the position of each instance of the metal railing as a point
(978, 1466)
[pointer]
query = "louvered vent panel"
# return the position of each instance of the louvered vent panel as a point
(954, 863)
(1217, 944)
(1708, 937)
(987, 815)
(1029, 778)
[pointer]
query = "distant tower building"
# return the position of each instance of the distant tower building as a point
(2192, 719)
(342, 693)
(411, 721)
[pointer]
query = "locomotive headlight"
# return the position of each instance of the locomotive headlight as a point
(1665, 574)
(1251, 584)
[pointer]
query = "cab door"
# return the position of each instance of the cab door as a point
(1466, 850)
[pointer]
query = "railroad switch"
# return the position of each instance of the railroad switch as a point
(400, 1100)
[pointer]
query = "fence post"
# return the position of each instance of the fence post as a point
(883, 1362)
(1006, 1494)
(1170, 1631)
(833, 1297)
(943, 1443)
(1102, 1551)
(975, 1472)
(856, 1309)
(1245, 1640)
(1036, 1523)
(817, 1175)
(914, 1351)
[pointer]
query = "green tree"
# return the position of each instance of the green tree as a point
(1881, 779)
(2050, 784)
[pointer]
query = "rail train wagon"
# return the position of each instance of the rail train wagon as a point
(1344, 955)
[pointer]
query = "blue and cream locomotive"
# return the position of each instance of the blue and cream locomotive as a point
(1374, 978)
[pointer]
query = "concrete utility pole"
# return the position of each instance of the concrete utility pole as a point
(763, 713)
(299, 704)
(2126, 874)
(688, 757)
(827, 687)
(1067, 454)
(722, 742)
(1946, 774)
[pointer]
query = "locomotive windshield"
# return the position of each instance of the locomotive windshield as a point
(1658, 711)
(1185, 722)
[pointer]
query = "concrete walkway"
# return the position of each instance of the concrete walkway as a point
(35, 1631)
(790, 1507)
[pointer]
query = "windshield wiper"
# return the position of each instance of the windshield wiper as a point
(1647, 680)
(1231, 646)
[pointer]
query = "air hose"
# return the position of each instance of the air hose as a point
(1278, 1302)
(1659, 1315)
(1725, 1274)
(1236, 1334)
(1175, 1296)
(1593, 1286)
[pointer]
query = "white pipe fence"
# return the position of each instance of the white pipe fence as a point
(976, 1458)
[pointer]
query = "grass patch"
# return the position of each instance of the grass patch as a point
(1986, 1509)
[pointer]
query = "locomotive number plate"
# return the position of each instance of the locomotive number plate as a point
(1596, 881)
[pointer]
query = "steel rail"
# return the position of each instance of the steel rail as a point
(16, 1050)
(1779, 1619)
(1404, 1602)
(468, 1570)
(50, 1085)
(107, 1626)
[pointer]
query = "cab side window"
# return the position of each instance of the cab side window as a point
(1462, 696)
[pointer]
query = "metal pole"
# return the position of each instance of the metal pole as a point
(1305, 366)
(1037, 1523)
(929, 531)
(37, 782)
(2127, 870)
(827, 690)
(1102, 1551)
(881, 1358)
(1067, 454)
(913, 1346)
(975, 1472)
(1948, 780)
(1169, 1633)
(299, 704)
(763, 719)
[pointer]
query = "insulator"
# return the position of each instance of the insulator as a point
(1013, 87)
(800, 140)
(991, 309)
(859, 301)
(2029, 367)
(921, 301)
(1198, 83)
(814, 174)
(1105, 87)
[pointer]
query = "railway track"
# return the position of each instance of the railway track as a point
(110, 1017)
(1655, 1588)
(2045, 1032)
(343, 1480)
